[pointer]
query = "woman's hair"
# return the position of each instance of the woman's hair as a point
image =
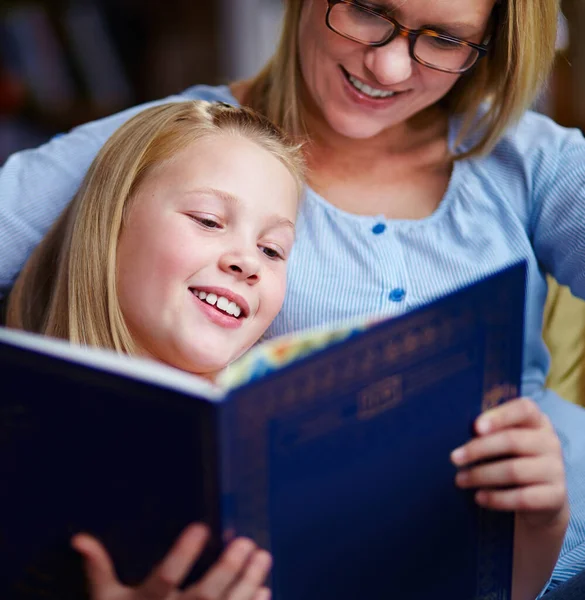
(67, 288)
(520, 56)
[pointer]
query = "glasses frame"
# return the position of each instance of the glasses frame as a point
(411, 34)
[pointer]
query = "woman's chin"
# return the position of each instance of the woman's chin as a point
(354, 127)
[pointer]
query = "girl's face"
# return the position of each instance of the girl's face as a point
(201, 264)
(330, 62)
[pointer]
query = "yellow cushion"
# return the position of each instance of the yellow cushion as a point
(564, 335)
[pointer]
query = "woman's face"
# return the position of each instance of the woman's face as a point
(201, 265)
(329, 62)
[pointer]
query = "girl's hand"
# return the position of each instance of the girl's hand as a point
(525, 472)
(237, 575)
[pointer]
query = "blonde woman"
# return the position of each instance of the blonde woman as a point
(175, 248)
(426, 171)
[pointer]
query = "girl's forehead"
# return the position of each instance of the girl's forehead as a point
(233, 164)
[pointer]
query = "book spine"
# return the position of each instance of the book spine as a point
(215, 433)
(226, 443)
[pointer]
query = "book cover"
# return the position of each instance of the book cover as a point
(330, 449)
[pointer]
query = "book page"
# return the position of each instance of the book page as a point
(272, 355)
(108, 360)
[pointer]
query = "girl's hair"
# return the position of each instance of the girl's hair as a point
(67, 288)
(521, 53)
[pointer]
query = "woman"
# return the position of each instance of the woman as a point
(387, 94)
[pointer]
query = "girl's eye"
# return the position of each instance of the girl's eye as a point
(207, 222)
(272, 253)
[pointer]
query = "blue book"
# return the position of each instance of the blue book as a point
(329, 448)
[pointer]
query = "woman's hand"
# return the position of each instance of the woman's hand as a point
(515, 462)
(238, 574)
(525, 472)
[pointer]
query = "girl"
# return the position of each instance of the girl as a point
(174, 248)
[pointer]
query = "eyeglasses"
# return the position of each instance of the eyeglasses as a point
(427, 47)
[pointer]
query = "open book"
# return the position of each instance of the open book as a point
(329, 448)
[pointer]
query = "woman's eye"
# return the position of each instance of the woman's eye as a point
(443, 44)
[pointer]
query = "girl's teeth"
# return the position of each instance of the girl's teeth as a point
(231, 308)
(211, 299)
(368, 90)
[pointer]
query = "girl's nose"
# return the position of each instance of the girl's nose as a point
(243, 266)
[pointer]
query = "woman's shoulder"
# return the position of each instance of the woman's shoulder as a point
(537, 136)
(532, 152)
(211, 93)
(534, 159)
(101, 129)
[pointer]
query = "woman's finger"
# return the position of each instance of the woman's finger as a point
(522, 412)
(176, 565)
(510, 442)
(98, 565)
(529, 498)
(253, 576)
(512, 472)
(224, 573)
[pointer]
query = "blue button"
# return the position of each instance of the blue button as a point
(378, 228)
(397, 295)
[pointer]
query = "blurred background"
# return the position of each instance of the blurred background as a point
(65, 62)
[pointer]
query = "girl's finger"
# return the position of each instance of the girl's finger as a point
(512, 472)
(510, 442)
(254, 575)
(177, 563)
(533, 498)
(522, 412)
(263, 594)
(222, 575)
(98, 565)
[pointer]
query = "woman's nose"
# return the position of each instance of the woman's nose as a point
(390, 64)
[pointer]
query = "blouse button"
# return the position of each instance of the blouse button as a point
(378, 228)
(397, 295)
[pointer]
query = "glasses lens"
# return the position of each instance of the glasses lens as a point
(444, 54)
(358, 24)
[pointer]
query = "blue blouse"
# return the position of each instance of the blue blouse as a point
(525, 200)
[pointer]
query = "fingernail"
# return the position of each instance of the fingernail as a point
(483, 425)
(78, 542)
(462, 478)
(458, 455)
(264, 559)
(481, 497)
(241, 547)
(197, 531)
